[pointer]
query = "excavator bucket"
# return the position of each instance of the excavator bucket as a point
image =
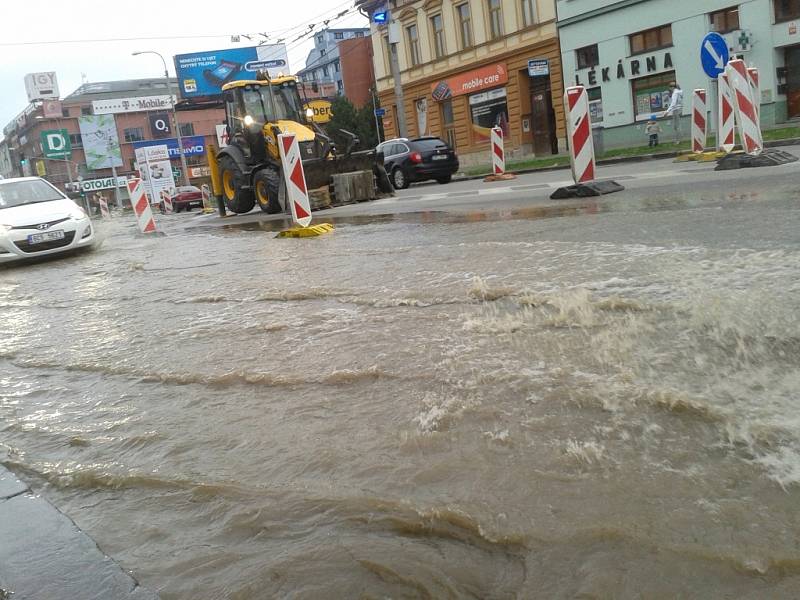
(357, 177)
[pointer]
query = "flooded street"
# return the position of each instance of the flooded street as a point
(596, 400)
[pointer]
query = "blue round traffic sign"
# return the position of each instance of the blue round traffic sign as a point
(714, 54)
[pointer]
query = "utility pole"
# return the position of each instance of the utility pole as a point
(172, 97)
(394, 60)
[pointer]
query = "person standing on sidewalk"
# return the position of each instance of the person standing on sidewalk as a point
(675, 109)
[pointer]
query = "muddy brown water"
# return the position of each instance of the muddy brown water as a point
(584, 404)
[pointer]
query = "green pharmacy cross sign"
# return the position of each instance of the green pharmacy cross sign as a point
(56, 144)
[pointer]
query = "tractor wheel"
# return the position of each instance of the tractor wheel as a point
(237, 199)
(267, 185)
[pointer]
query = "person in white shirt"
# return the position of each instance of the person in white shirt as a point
(675, 109)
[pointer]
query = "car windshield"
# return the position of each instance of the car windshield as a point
(259, 105)
(19, 193)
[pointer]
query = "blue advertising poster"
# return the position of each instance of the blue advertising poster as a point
(194, 145)
(204, 73)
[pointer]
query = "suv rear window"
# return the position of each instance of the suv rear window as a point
(429, 144)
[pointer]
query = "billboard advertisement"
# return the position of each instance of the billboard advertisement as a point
(156, 171)
(100, 142)
(41, 86)
(204, 73)
(194, 145)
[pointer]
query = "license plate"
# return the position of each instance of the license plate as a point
(50, 236)
(440, 157)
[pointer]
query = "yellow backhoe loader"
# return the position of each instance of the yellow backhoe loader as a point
(249, 167)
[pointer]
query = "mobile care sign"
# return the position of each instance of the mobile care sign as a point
(204, 73)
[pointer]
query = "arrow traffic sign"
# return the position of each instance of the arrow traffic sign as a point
(714, 54)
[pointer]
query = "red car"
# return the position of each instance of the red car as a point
(187, 197)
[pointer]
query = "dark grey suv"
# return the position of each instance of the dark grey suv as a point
(408, 161)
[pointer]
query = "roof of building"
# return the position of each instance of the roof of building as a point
(103, 90)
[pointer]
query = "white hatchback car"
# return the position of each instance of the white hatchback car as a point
(36, 219)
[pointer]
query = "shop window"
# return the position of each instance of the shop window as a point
(651, 95)
(786, 10)
(587, 57)
(488, 110)
(495, 18)
(437, 28)
(448, 123)
(528, 13)
(595, 105)
(412, 33)
(652, 39)
(464, 25)
(134, 134)
(725, 21)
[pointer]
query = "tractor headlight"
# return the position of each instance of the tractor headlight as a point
(248, 120)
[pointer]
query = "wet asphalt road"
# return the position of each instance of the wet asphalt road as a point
(468, 391)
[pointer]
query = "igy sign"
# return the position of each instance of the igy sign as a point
(56, 143)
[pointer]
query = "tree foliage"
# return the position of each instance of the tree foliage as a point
(358, 121)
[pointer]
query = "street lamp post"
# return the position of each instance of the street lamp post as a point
(172, 97)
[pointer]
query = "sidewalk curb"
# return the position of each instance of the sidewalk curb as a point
(45, 555)
(621, 160)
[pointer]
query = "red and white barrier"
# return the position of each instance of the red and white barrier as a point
(498, 151)
(755, 88)
(579, 130)
(144, 216)
(104, 212)
(297, 192)
(726, 137)
(167, 200)
(699, 121)
(747, 118)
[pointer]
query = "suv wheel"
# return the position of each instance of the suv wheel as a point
(399, 179)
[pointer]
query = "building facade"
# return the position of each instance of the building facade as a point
(141, 110)
(357, 74)
(627, 52)
(324, 62)
(467, 66)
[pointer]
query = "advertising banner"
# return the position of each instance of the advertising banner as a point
(470, 82)
(52, 109)
(488, 110)
(322, 110)
(41, 86)
(222, 136)
(156, 171)
(116, 106)
(194, 145)
(160, 125)
(56, 143)
(104, 183)
(100, 142)
(204, 73)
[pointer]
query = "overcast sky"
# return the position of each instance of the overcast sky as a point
(183, 26)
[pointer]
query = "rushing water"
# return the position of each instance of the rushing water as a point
(599, 406)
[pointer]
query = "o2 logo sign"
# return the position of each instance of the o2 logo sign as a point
(160, 125)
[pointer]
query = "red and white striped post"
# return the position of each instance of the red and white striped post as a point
(167, 200)
(297, 191)
(144, 216)
(726, 136)
(498, 152)
(755, 88)
(579, 130)
(747, 118)
(699, 121)
(104, 212)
